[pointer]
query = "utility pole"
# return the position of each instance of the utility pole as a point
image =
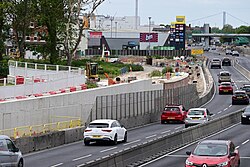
(149, 34)
(111, 19)
(136, 14)
(224, 19)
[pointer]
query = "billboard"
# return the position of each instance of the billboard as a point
(146, 37)
(180, 20)
(95, 34)
(197, 51)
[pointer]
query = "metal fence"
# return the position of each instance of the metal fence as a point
(121, 106)
(142, 52)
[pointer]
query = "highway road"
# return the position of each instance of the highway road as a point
(239, 134)
(76, 153)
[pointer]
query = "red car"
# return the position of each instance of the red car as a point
(173, 113)
(225, 88)
(214, 153)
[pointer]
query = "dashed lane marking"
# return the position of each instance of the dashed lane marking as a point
(178, 127)
(165, 132)
(132, 142)
(219, 112)
(57, 165)
(86, 156)
(150, 136)
(237, 147)
(230, 105)
(112, 148)
(225, 109)
(245, 142)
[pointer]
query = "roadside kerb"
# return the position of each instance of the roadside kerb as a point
(154, 148)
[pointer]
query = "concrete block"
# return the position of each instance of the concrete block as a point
(25, 144)
(73, 135)
(57, 138)
(42, 142)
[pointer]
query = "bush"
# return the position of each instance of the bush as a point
(4, 68)
(155, 73)
(167, 69)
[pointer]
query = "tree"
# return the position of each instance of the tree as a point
(73, 30)
(228, 29)
(242, 30)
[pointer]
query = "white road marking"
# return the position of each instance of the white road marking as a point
(244, 157)
(165, 132)
(237, 147)
(150, 136)
(132, 142)
(86, 156)
(219, 112)
(230, 105)
(112, 148)
(213, 115)
(57, 165)
(225, 109)
(188, 145)
(181, 156)
(245, 142)
(178, 127)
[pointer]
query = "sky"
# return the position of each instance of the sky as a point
(165, 11)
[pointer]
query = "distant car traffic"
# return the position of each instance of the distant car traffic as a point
(240, 97)
(225, 88)
(246, 87)
(214, 153)
(224, 76)
(175, 113)
(10, 155)
(197, 116)
(245, 116)
(228, 52)
(226, 61)
(105, 130)
(235, 53)
(216, 62)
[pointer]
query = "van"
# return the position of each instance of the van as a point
(224, 76)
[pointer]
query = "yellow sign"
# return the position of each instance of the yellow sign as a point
(180, 19)
(172, 25)
(197, 51)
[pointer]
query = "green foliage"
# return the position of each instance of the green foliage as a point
(4, 69)
(167, 69)
(91, 85)
(155, 73)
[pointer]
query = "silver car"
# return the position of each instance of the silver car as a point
(10, 155)
(197, 116)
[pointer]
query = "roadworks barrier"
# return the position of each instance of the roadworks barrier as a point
(144, 152)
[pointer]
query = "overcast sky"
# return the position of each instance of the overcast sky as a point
(164, 11)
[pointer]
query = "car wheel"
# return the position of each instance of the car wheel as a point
(125, 137)
(115, 140)
(86, 143)
(186, 126)
(238, 163)
(20, 163)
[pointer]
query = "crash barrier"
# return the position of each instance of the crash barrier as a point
(142, 153)
(40, 129)
(162, 53)
(49, 140)
(244, 71)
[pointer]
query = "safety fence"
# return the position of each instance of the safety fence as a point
(162, 53)
(40, 129)
(122, 106)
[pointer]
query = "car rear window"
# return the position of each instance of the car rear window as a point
(239, 94)
(225, 85)
(172, 109)
(224, 74)
(216, 60)
(98, 125)
(196, 112)
(246, 88)
(3, 145)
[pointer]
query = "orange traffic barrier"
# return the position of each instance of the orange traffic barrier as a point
(72, 89)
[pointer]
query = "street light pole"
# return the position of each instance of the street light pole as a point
(111, 19)
(116, 29)
(149, 34)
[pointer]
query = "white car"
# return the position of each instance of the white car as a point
(105, 130)
(197, 116)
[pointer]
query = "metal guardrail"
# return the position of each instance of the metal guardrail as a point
(23, 131)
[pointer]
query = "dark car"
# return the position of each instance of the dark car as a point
(226, 61)
(226, 88)
(240, 97)
(214, 153)
(245, 116)
(172, 113)
(246, 87)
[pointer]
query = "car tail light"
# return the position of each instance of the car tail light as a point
(234, 97)
(88, 130)
(105, 130)
(164, 112)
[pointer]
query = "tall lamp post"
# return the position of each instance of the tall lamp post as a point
(111, 19)
(149, 34)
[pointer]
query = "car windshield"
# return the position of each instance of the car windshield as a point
(239, 94)
(98, 125)
(247, 110)
(210, 150)
(172, 109)
(246, 88)
(196, 112)
(3, 145)
(216, 60)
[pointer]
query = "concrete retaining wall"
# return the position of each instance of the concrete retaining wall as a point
(142, 153)
(242, 70)
(40, 110)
